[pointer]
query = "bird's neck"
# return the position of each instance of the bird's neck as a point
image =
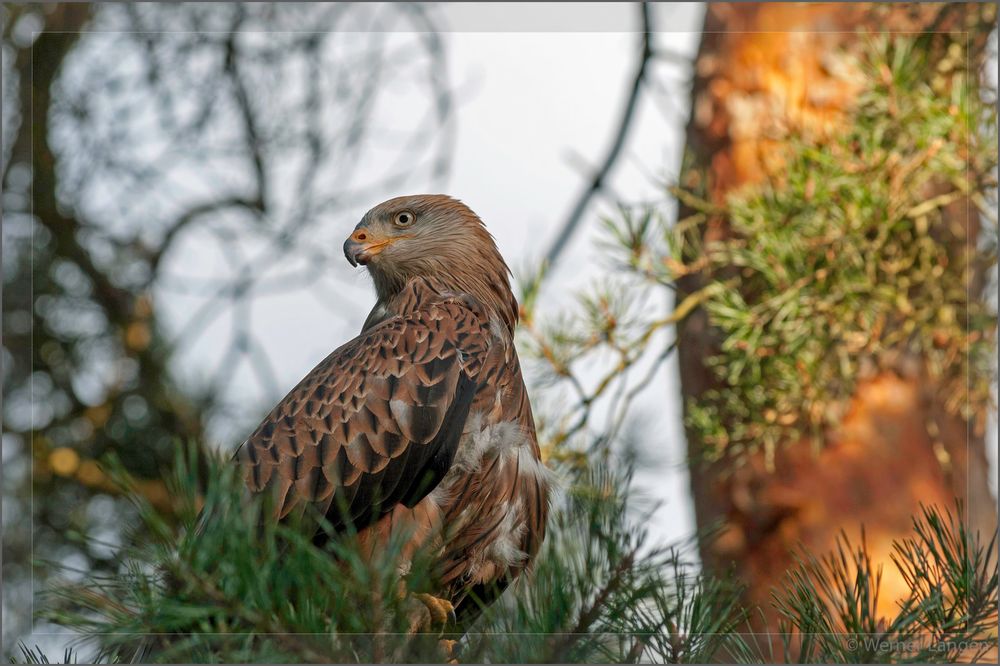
(491, 291)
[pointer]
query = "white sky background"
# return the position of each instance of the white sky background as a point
(534, 111)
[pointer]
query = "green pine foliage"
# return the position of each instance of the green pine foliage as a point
(847, 262)
(218, 582)
(213, 583)
(950, 615)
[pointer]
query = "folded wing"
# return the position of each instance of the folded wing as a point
(377, 422)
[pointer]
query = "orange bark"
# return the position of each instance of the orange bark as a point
(762, 72)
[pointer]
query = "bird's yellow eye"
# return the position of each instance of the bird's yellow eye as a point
(404, 218)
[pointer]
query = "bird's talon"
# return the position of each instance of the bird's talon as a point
(448, 647)
(442, 612)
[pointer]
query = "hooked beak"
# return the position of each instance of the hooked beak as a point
(360, 247)
(349, 254)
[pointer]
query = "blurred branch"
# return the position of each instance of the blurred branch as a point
(39, 67)
(597, 182)
(253, 136)
(66, 463)
(192, 215)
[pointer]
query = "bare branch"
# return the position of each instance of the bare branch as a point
(624, 125)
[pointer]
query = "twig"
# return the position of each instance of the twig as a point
(190, 216)
(253, 137)
(624, 125)
(593, 611)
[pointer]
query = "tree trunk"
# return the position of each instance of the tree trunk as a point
(763, 71)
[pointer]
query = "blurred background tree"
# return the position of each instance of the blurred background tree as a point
(131, 133)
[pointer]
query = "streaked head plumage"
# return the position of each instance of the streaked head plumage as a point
(433, 236)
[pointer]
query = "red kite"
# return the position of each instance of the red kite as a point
(422, 422)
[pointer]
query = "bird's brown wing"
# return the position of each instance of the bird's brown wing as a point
(377, 422)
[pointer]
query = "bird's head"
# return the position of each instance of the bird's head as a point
(432, 236)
